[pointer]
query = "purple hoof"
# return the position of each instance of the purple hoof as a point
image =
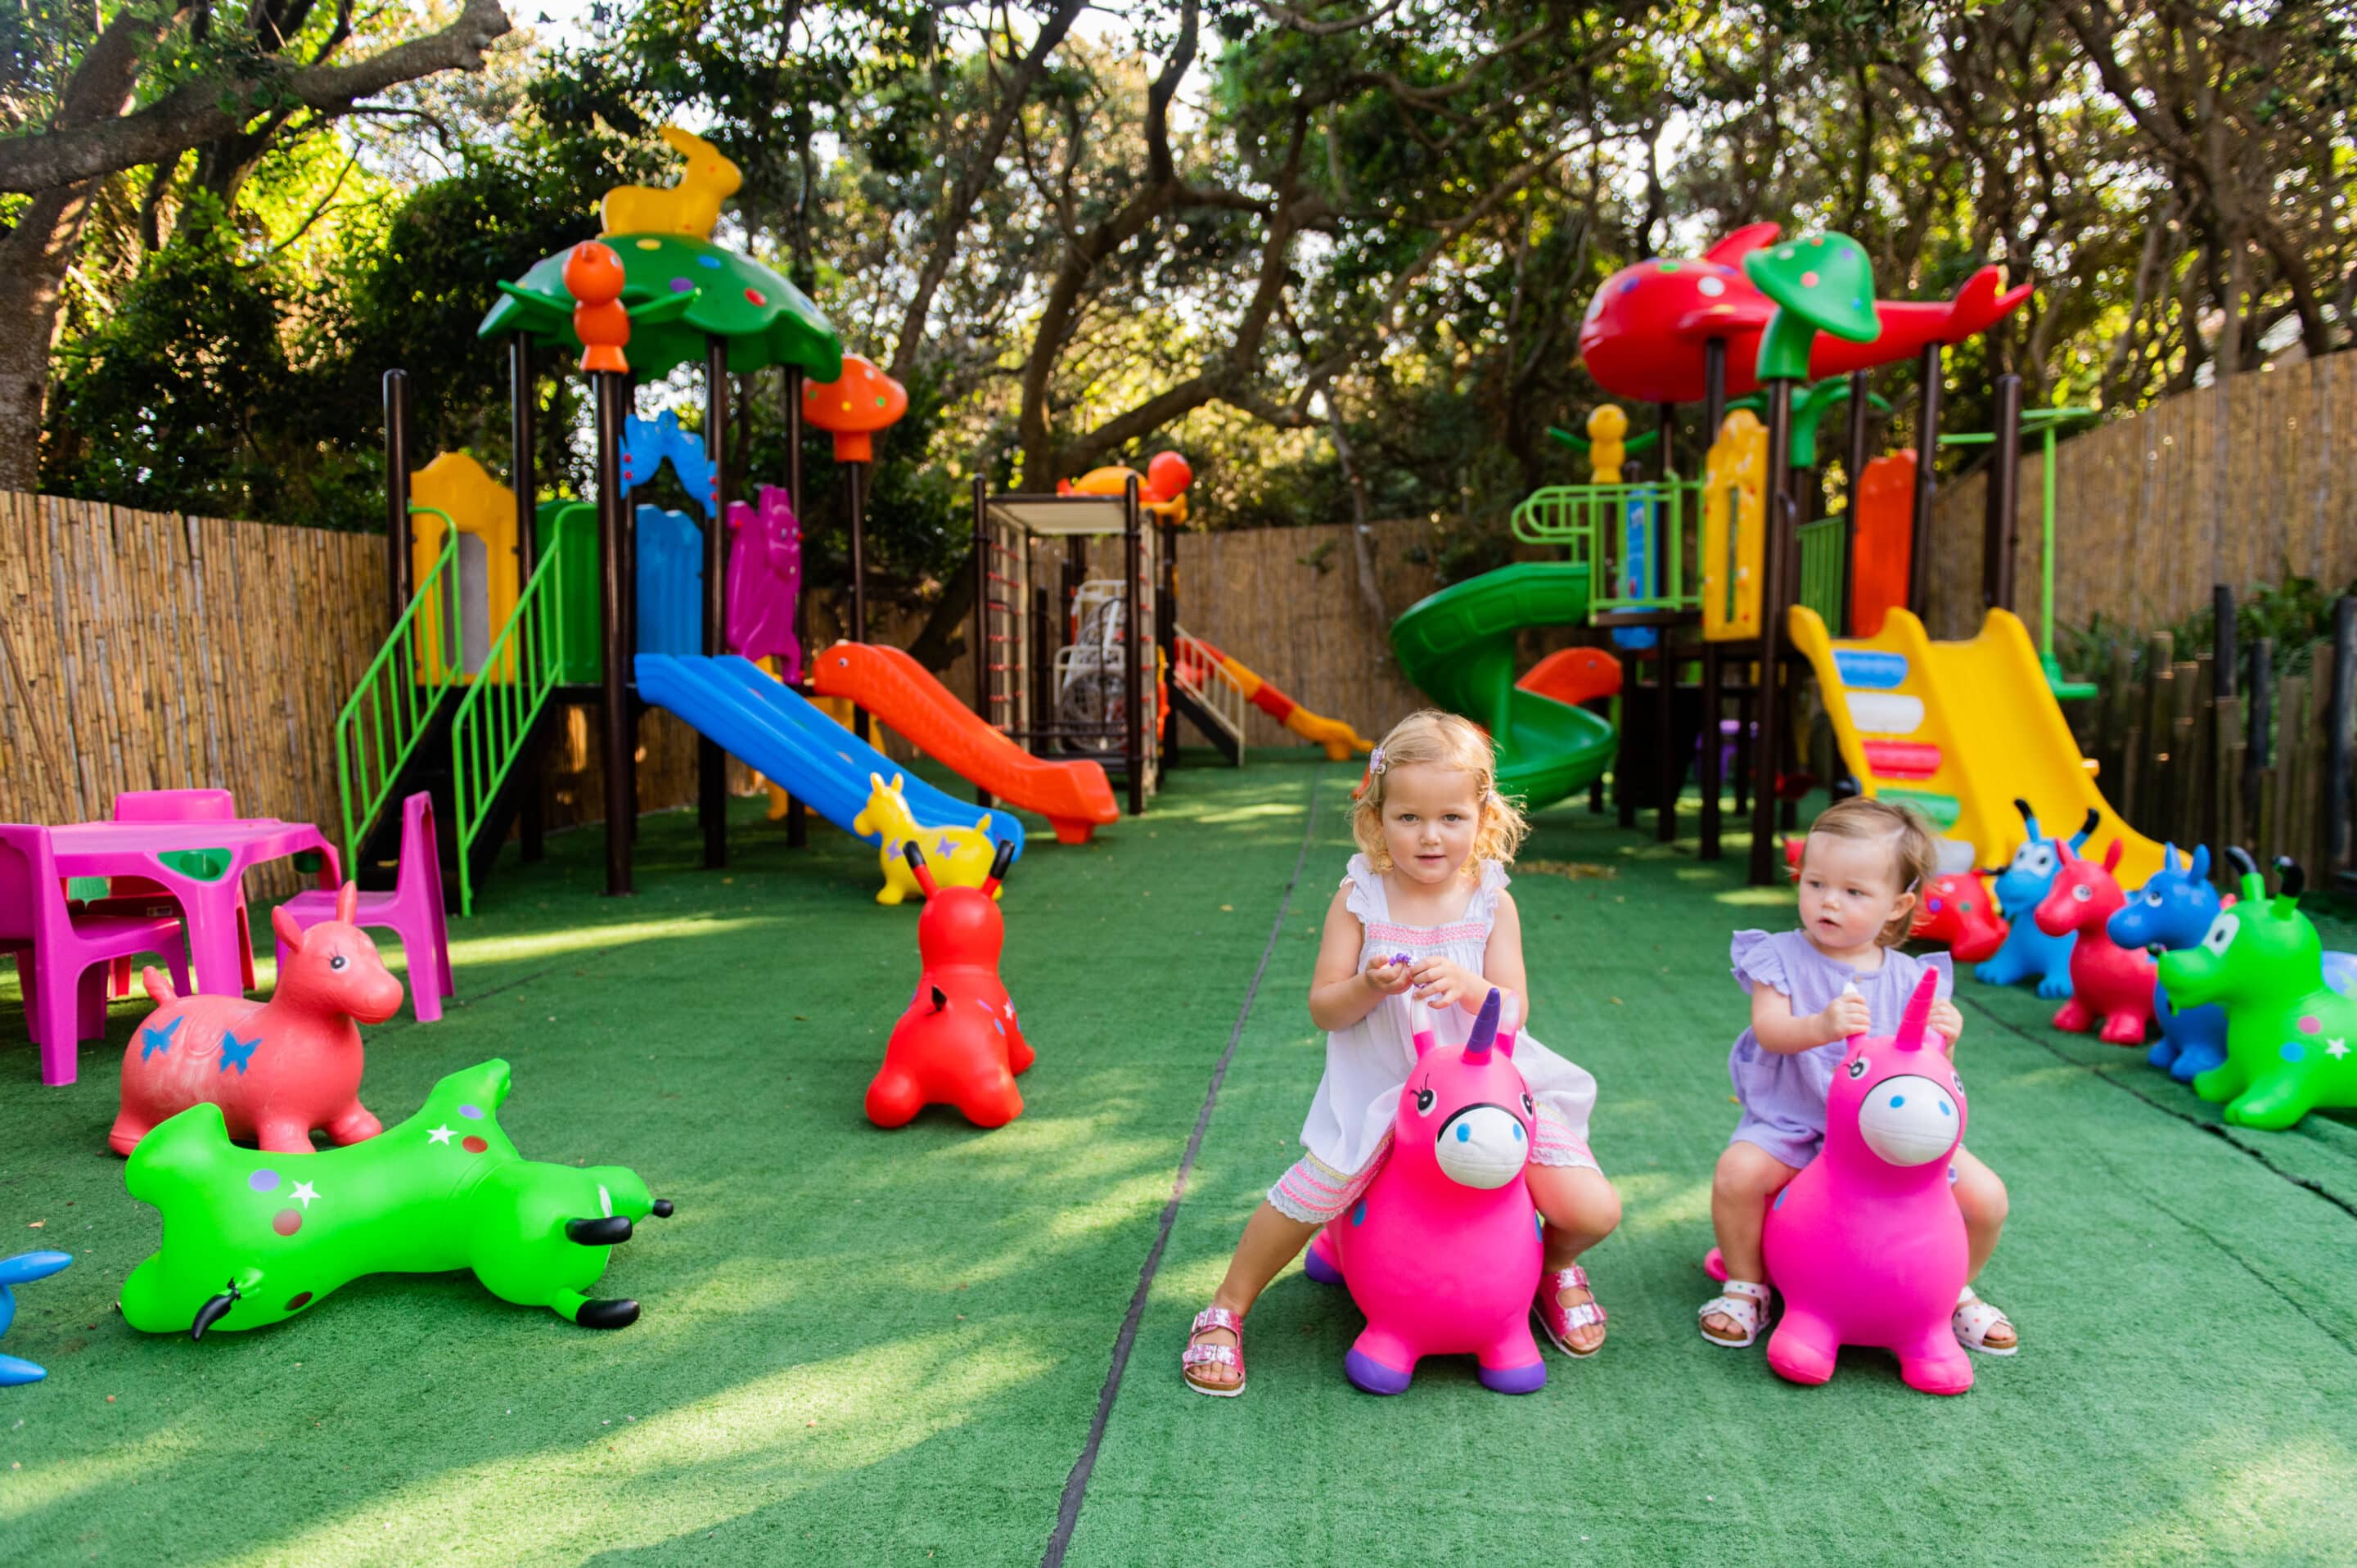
(1320, 1267)
(1374, 1377)
(1527, 1379)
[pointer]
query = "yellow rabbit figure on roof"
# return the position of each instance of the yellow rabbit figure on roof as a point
(691, 207)
(958, 857)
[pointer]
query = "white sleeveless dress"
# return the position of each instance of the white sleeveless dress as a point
(1349, 1119)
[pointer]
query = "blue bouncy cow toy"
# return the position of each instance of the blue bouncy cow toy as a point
(2029, 953)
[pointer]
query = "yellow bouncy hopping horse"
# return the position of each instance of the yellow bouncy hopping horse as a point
(957, 857)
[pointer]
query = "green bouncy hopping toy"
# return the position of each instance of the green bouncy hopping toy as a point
(2291, 1037)
(252, 1238)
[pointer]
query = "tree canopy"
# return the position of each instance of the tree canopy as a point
(1337, 253)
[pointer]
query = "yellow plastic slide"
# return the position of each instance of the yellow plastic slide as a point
(1960, 731)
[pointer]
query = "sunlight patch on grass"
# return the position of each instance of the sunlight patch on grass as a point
(772, 1437)
(1777, 897)
(1682, 1205)
(2277, 1506)
(577, 938)
(30, 1491)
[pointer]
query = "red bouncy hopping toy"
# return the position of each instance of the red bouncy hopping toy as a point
(958, 1044)
(2110, 985)
(1958, 912)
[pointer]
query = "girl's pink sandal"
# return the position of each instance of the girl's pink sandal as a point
(1559, 1320)
(1214, 1355)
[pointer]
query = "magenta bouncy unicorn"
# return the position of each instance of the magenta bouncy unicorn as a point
(765, 581)
(1866, 1243)
(1442, 1253)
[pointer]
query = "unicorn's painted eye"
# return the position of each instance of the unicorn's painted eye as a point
(1858, 1068)
(2081, 892)
(1424, 1100)
(2152, 897)
(2221, 935)
(338, 962)
(1529, 1108)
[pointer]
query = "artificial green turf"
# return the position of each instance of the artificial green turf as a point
(871, 1347)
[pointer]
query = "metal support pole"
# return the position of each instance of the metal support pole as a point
(711, 761)
(523, 404)
(855, 499)
(1138, 675)
(1927, 453)
(1714, 388)
(1999, 536)
(397, 491)
(1777, 592)
(2340, 712)
(1854, 471)
(1166, 636)
(791, 388)
(2225, 658)
(1669, 767)
(983, 654)
(612, 390)
(1707, 764)
(1668, 465)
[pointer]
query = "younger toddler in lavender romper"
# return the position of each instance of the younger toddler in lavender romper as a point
(1783, 1095)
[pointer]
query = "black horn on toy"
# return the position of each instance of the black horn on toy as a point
(214, 1309)
(605, 1230)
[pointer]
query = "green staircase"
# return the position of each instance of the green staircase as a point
(402, 732)
(1592, 523)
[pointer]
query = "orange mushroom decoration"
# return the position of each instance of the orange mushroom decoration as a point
(593, 275)
(854, 406)
(1161, 488)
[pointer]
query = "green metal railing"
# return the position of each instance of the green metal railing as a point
(1823, 549)
(1593, 522)
(389, 711)
(494, 721)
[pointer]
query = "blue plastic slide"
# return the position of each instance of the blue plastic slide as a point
(768, 726)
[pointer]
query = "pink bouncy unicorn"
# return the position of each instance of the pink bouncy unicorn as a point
(277, 1069)
(2110, 985)
(1443, 1253)
(1866, 1243)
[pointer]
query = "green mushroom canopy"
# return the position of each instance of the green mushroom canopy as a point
(1821, 282)
(680, 290)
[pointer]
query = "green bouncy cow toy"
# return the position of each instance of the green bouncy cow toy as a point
(2291, 1039)
(252, 1237)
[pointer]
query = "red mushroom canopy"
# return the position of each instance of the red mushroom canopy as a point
(861, 401)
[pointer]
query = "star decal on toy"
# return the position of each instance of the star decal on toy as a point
(944, 847)
(153, 1040)
(2336, 1048)
(303, 1193)
(438, 1134)
(236, 1052)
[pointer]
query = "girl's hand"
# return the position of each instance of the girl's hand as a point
(1443, 984)
(1388, 975)
(1947, 1020)
(1848, 1016)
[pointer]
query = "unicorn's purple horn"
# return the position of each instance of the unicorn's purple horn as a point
(1485, 1029)
(1918, 1016)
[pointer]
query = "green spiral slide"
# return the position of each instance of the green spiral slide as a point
(1457, 645)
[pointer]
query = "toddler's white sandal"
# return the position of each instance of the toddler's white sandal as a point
(1974, 1319)
(1741, 1301)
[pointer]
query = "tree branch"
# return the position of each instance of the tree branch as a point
(206, 111)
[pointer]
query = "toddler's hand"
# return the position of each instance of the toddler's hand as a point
(1389, 973)
(1849, 1015)
(1947, 1020)
(1441, 983)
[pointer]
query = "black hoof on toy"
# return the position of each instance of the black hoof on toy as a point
(608, 1314)
(606, 1231)
(663, 1208)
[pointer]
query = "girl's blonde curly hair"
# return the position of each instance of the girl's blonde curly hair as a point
(1431, 736)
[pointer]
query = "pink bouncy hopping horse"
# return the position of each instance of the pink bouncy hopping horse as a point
(277, 1069)
(1442, 1252)
(2110, 985)
(1866, 1243)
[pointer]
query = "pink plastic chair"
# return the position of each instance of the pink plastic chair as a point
(138, 895)
(411, 911)
(58, 953)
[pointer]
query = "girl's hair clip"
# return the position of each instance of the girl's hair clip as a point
(1375, 761)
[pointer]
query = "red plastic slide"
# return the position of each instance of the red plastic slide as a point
(1075, 797)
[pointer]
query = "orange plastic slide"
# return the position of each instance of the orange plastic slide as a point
(1075, 797)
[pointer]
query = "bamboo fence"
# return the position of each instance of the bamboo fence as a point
(2244, 483)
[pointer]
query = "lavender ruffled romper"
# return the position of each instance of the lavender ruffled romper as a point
(1349, 1122)
(1784, 1095)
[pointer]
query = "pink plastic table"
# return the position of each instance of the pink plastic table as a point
(132, 849)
